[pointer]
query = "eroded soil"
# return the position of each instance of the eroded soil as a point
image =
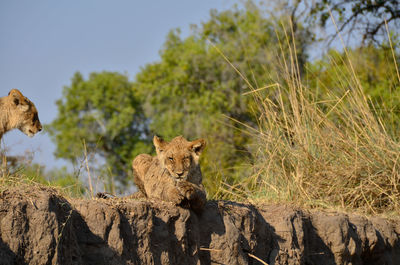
(37, 226)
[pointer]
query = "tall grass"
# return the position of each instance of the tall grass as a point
(334, 152)
(22, 173)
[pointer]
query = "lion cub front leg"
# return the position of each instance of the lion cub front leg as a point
(195, 194)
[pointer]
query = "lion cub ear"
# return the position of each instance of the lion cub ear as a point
(197, 146)
(19, 99)
(159, 143)
(15, 93)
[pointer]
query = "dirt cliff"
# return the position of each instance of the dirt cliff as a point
(37, 226)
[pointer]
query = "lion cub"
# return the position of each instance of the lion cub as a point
(17, 111)
(173, 174)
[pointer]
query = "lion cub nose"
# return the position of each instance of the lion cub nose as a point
(180, 174)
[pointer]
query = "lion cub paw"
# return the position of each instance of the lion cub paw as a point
(176, 197)
(186, 189)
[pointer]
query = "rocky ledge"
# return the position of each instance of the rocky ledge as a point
(38, 226)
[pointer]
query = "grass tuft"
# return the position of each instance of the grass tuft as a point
(330, 152)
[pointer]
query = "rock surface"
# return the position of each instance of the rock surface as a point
(37, 226)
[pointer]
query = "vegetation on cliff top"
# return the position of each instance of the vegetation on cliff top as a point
(279, 126)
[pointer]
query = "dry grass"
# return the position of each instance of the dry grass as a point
(12, 177)
(334, 153)
(305, 155)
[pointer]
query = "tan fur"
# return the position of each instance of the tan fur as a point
(174, 174)
(18, 112)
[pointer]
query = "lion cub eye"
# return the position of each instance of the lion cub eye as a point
(171, 159)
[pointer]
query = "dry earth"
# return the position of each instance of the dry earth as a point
(37, 226)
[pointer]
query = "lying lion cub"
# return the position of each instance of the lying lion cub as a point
(17, 111)
(174, 174)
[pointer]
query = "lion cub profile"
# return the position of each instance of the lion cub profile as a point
(173, 174)
(17, 111)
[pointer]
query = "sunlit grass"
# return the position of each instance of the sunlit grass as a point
(24, 175)
(333, 152)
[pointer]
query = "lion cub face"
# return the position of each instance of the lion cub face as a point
(180, 157)
(24, 113)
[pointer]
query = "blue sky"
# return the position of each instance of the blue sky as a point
(43, 42)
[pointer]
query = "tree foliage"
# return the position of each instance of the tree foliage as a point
(103, 115)
(193, 91)
(202, 86)
(365, 15)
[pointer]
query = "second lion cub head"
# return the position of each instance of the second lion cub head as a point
(180, 157)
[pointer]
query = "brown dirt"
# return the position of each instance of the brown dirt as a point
(37, 226)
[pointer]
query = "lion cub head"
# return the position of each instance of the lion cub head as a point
(23, 113)
(180, 157)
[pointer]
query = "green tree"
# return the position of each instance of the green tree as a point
(104, 115)
(193, 91)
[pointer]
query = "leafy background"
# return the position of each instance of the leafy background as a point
(280, 125)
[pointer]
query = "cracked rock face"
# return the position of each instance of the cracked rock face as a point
(37, 226)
